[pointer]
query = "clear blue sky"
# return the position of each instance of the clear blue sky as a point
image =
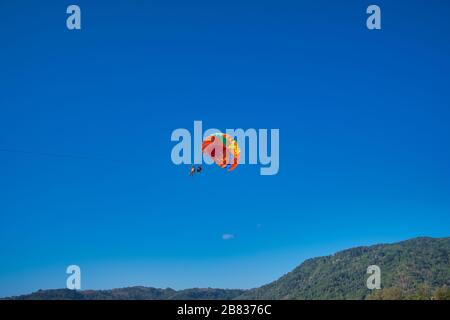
(86, 117)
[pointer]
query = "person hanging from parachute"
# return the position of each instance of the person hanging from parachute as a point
(195, 170)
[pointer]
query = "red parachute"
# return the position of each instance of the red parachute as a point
(223, 150)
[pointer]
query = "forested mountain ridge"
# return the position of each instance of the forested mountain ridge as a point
(418, 268)
(407, 266)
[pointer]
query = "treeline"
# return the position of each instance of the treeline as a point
(424, 292)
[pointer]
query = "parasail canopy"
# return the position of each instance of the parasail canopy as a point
(223, 150)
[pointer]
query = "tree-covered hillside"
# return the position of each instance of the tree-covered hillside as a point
(413, 269)
(134, 293)
(408, 266)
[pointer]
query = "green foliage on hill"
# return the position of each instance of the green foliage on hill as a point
(416, 269)
(206, 294)
(406, 267)
(424, 292)
(133, 293)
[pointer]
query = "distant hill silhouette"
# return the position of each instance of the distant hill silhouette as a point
(133, 293)
(413, 269)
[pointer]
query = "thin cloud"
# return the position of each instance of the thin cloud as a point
(227, 236)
